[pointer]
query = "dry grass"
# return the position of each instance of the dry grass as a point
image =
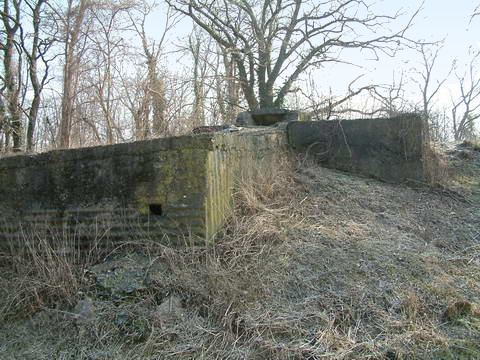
(46, 271)
(41, 276)
(436, 166)
(315, 264)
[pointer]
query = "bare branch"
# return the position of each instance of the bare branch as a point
(274, 42)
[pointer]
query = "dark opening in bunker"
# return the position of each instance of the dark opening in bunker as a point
(156, 209)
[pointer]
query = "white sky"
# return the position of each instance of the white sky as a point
(439, 19)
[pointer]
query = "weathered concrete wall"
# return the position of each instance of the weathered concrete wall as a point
(184, 185)
(172, 186)
(388, 149)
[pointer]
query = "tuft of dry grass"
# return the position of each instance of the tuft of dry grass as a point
(436, 166)
(45, 271)
(264, 204)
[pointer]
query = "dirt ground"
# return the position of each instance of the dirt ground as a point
(316, 264)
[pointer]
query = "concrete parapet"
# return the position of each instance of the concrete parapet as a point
(389, 149)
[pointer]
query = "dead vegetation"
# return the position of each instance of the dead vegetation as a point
(316, 264)
(42, 276)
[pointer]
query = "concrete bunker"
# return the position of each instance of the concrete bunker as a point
(183, 186)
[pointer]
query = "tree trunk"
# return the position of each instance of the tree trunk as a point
(33, 72)
(13, 123)
(70, 68)
(157, 97)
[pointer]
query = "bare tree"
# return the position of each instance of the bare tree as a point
(440, 125)
(151, 52)
(134, 96)
(426, 86)
(47, 129)
(274, 42)
(73, 23)
(2, 119)
(12, 122)
(199, 49)
(37, 50)
(475, 13)
(390, 99)
(215, 85)
(429, 88)
(329, 106)
(178, 105)
(227, 88)
(466, 108)
(108, 48)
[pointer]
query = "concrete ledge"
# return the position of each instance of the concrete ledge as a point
(202, 141)
(268, 117)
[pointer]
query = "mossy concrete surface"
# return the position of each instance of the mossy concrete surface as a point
(178, 186)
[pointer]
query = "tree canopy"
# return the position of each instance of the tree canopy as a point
(274, 41)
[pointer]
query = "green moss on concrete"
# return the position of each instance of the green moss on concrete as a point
(191, 178)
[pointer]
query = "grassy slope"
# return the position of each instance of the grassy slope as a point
(316, 264)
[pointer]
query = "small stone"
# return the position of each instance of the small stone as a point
(84, 311)
(169, 310)
(121, 277)
(171, 305)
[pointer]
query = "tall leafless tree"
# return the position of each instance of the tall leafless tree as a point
(199, 49)
(385, 99)
(73, 22)
(227, 87)
(151, 52)
(12, 122)
(466, 107)
(37, 51)
(429, 88)
(107, 52)
(475, 13)
(2, 119)
(274, 42)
